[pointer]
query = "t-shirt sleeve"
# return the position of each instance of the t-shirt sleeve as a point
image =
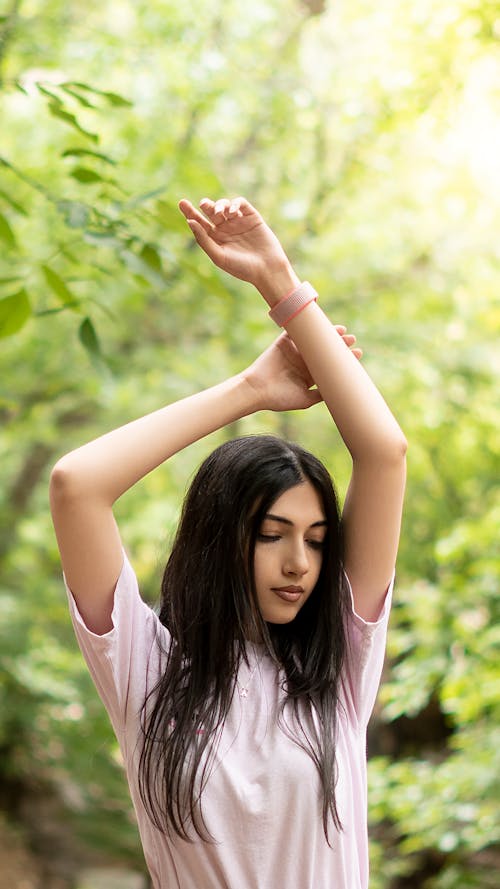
(123, 663)
(365, 652)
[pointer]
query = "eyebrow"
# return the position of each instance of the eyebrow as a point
(279, 518)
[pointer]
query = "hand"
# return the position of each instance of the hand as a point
(236, 238)
(281, 379)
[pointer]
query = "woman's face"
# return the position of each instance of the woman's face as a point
(289, 553)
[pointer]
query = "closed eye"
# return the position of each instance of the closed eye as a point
(270, 538)
(316, 544)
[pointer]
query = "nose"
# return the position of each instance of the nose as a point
(297, 561)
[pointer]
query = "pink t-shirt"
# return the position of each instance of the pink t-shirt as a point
(263, 801)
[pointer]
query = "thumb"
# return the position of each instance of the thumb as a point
(313, 397)
(206, 243)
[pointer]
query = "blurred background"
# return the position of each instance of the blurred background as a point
(368, 134)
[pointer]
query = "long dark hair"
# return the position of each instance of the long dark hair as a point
(209, 606)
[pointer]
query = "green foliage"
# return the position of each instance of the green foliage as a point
(368, 134)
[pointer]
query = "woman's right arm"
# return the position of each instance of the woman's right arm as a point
(86, 482)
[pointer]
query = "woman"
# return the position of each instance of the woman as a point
(241, 710)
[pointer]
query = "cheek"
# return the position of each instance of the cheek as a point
(266, 567)
(260, 566)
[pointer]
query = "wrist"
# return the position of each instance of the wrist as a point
(250, 394)
(277, 283)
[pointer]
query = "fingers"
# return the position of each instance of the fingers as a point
(206, 242)
(226, 209)
(190, 212)
(220, 211)
(349, 340)
(313, 397)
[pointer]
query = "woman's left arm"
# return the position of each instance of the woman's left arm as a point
(373, 506)
(238, 240)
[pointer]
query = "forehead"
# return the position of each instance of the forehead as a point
(300, 504)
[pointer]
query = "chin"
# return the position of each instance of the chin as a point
(279, 619)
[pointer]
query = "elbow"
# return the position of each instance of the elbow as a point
(64, 483)
(402, 445)
(386, 450)
(398, 448)
(392, 450)
(396, 443)
(73, 480)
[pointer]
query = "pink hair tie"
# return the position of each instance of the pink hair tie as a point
(293, 303)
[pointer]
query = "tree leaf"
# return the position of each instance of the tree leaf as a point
(52, 96)
(6, 233)
(18, 85)
(113, 98)
(85, 175)
(88, 338)
(14, 204)
(14, 312)
(70, 119)
(143, 267)
(117, 100)
(150, 254)
(49, 311)
(58, 286)
(81, 99)
(87, 152)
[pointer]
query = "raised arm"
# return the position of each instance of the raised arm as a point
(86, 483)
(237, 239)
(373, 506)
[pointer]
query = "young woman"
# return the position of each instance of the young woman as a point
(241, 709)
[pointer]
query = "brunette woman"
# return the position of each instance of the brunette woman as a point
(241, 708)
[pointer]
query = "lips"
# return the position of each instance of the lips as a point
(289, 593)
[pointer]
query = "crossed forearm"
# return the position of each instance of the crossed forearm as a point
(108, 466)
